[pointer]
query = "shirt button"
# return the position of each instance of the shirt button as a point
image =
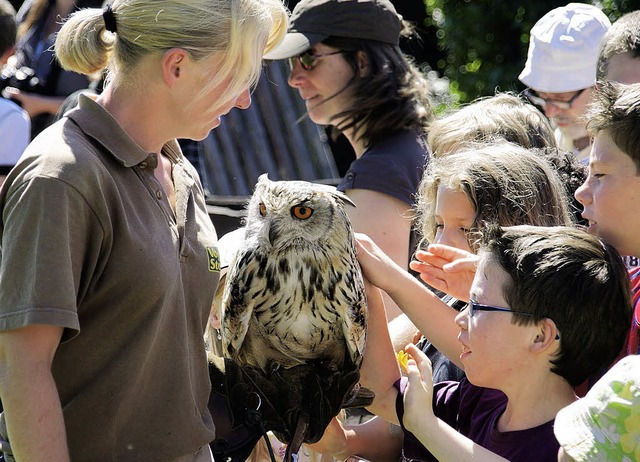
(159, 194)
(143, 165)
(349, 176)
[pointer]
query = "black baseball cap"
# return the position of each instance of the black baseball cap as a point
(312, 21)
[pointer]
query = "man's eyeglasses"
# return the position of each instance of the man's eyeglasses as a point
(308, 60)
(536, 99)
(475, 306)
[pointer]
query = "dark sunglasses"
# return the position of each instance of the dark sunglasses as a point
(475, 306)
(308, 60)
(536, 99)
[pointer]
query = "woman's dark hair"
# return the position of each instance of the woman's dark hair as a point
(392, 96)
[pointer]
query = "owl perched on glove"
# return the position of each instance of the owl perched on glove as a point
(294, 310)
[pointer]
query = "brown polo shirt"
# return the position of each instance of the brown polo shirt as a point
(90, 243)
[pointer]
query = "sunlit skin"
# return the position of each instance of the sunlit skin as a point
(454, 217)
(205, 110)
(624, 68)
(569, 121)
(329, 76)
(175, 103)
(610, 194)
(563, 456)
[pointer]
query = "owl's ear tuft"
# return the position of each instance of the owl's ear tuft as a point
(343, 198)
(264, 178)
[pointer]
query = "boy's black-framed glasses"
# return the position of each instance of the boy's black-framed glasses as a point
(308, 60)
(538, 100)
(475, 306)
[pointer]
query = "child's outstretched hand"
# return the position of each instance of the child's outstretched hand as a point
(447, 269)
(333, 441)
(376, 266)
(418, 407)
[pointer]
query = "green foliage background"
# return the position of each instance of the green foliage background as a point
(482, 44)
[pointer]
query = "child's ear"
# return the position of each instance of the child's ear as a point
(547, 336)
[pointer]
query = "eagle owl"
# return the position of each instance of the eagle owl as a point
(295, 291)
(294, 310)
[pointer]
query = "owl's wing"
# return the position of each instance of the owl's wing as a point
(236, 302)
(355, 319)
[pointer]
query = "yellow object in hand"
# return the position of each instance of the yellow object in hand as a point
(403, 359)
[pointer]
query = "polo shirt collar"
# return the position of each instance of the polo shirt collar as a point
(97, 123)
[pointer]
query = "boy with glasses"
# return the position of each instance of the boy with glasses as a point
(550, 306)
(561, 70)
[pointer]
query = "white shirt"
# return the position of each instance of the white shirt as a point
(15, 132)
(566, 144)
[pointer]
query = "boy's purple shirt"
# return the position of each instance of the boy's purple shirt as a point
(474, 412)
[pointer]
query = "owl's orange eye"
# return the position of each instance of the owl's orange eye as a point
(263, 209)
(301, 212)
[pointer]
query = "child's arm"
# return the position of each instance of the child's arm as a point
(376, 439)
(379, 370)
(433, 317)
(438, 437)
(447, 269)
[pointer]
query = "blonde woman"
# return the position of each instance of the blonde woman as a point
(112, 256)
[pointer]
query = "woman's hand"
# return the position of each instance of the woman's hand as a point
(447, 269)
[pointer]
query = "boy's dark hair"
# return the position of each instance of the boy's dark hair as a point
(622, 37)
(572, 278)
(8, 27)
(615, 109)
(392, 96)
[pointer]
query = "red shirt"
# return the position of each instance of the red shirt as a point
(633, 346)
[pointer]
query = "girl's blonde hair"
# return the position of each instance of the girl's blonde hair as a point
(241, 31)
(505, 183)
(504, 116)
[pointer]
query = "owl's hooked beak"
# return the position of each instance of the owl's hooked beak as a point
(273, 232)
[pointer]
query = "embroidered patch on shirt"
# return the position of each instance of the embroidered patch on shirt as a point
(214, 259)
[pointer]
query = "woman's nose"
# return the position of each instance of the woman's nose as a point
(244, 100)
(295, 77)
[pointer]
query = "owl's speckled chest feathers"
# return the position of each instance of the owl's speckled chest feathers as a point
(298, 301)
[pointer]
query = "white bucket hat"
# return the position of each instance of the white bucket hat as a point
(563, 49)
(605, 425)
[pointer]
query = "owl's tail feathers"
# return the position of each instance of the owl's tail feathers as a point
(298, 438)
